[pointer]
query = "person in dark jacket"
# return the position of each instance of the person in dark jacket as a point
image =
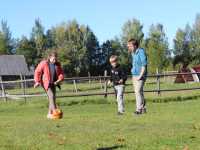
(118, 78)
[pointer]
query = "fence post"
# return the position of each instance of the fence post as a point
(100, 82)
(74, 81)
(3, 93)
(105, 84)
(158, 81)
(23, 86)
(89, 76)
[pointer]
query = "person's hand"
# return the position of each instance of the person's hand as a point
(56, 83)
(36, 84)
(109, 82)
(120, 81)
(138, 78)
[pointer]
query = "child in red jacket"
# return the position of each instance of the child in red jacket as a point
(49, 74)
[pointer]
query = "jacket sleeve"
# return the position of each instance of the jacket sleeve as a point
(38, 72)
(123, 74)
(143, 57)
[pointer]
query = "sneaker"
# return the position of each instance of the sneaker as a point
(49, 116)
(120, 113)
(137, 112)
(144, 111)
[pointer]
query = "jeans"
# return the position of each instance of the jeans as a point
(51, 92)
(119, 90)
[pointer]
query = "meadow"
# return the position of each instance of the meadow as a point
(172, 121)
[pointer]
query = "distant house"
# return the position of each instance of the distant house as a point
(14, 65)
(188, 77)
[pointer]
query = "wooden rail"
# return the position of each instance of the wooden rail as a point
(102, 79)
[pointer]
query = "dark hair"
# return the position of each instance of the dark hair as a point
(52, 53)
(134, 42)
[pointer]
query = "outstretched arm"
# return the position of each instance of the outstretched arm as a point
(38, 74)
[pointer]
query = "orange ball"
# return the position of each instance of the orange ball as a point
(57, 114)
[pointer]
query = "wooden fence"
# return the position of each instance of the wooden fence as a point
(101, 79)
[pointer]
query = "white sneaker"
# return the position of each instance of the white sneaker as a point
(49, 116)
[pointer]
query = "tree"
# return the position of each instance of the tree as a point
(132, 29)
(6, 38)
(27, 48)
(156, 48)
(114, 47)
(76, 45)
(2, 45)
(50, 43)
(106, 52)
(38, 36)
(183, 46)
(196, 40)
(92, 58)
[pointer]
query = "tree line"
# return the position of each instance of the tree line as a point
(81, 53)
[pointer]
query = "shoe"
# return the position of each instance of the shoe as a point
(120, 113)
(144, 111)
(49, 116)
(137, 112)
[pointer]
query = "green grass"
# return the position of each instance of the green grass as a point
(91, 123)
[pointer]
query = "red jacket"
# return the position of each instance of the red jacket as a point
(42, 73)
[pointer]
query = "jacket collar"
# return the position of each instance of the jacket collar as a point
(118, 65)
(137, 50)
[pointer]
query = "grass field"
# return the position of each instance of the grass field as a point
(91, 123)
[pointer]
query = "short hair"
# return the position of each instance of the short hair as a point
(113, 58)
(134, 42)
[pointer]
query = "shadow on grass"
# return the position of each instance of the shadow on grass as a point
(111, 148)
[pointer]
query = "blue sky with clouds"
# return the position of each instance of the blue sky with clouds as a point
(105, 17)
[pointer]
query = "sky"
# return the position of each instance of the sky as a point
(104, 17)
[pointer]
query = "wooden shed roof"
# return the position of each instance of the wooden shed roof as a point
(13, 65)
